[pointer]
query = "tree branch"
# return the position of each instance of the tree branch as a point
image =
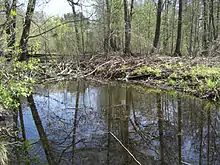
(67, 22)
(37, 35)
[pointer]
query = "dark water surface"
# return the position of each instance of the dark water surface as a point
(88, 124)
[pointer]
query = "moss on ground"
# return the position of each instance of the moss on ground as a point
(200, 80)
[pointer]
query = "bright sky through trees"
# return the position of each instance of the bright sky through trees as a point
(57, 7)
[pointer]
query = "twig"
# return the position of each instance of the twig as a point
(125, 148)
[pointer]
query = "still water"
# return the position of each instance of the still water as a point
(85, 123)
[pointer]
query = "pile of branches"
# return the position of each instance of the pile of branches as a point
(125, 68)
(113, 67)
(105, 67)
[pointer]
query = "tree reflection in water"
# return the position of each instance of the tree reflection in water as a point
(155, 126)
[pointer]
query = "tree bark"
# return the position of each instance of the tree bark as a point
(108, 23)
(11, 25)
(205, 45)
(217, 22)
(158, 23)
(173, 25)
(191, 29)
(211, 21)
(179, 31)
(26, 30)
(127, 21)
(82, 32)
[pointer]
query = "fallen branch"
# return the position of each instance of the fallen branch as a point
(125, 148)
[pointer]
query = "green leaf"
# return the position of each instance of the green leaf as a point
(13, 13)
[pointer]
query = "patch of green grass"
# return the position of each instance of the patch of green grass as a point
(200, 79)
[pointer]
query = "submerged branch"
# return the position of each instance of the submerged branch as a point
(125, 148)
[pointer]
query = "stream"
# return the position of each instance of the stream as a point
(85, 123)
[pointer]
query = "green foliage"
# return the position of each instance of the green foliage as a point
(145, 70)
(172, 82)
(13, 13)
(212, 84)
(17, 80)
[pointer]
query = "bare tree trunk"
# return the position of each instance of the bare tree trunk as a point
(82, 32)
(166, 27)
(127, 43)
(211, 21)
(205, 45)
(196, 28)
(158, 23)
(217, 18)
(127, 21)
(191, 29)
(108, 23)
(11, 25)
(173, 25)
(26, 30)
(72, 4)
(179, 31)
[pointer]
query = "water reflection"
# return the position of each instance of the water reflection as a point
(71, 121)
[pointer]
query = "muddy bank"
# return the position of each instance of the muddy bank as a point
(198, 76)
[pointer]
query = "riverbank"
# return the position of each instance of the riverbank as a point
(198, 76)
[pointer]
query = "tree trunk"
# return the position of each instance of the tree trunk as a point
(75, 25)
(196, 29)
(127, 43)
(173, 25)
(127, 21)
(211, 21)
(158, 23)
(179, 31)
(166, 27)
(191, 29)
(217, 22)
(205, 45)
(82, 32)
(108, 23)
(11, 25)
(26, 30)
